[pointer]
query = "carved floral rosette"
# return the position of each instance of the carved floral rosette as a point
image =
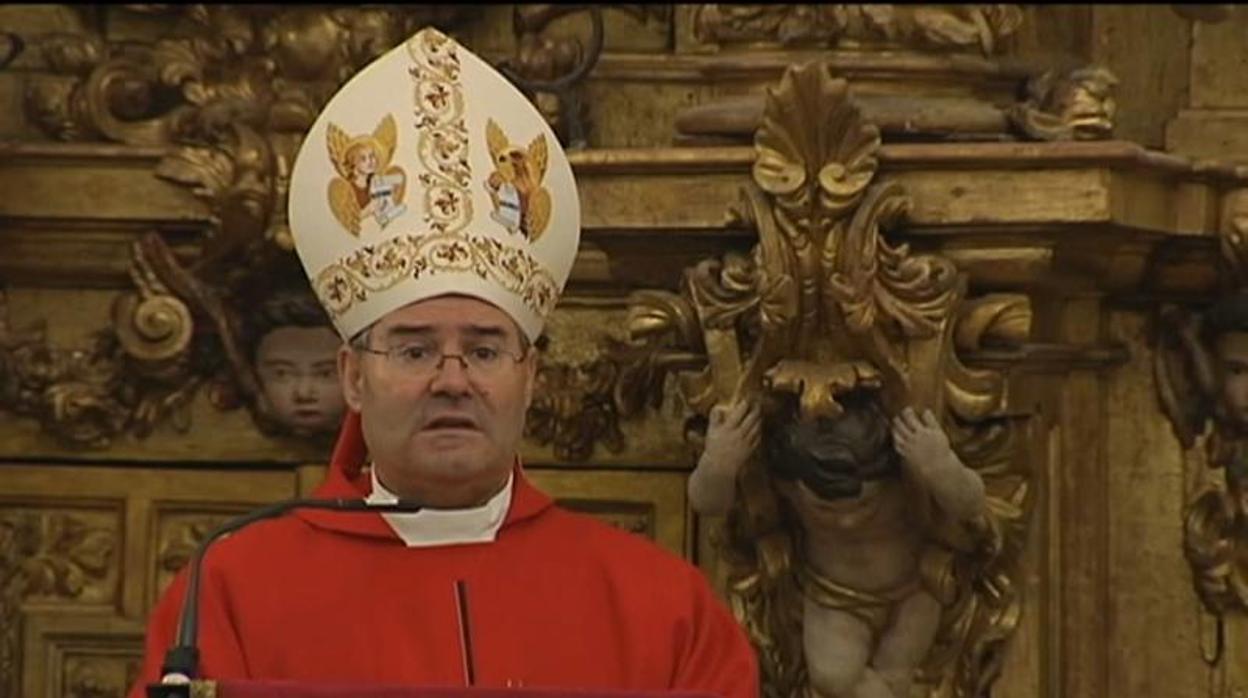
(823, 305)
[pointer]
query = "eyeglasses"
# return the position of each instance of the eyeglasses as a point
(420, 360)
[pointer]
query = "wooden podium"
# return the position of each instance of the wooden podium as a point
(298, 689)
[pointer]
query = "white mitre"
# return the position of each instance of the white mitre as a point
(429, 173)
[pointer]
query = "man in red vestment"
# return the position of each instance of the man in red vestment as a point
(490, 584)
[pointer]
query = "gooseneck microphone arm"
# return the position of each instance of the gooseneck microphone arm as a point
(182, 660)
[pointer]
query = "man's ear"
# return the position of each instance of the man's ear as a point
(350, 376)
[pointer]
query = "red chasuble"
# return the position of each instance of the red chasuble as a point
(559, 599)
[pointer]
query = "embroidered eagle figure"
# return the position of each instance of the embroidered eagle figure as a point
(521, 203)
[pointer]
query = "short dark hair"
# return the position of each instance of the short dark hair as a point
(286, 308)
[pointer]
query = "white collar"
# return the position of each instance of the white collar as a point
(432, 527)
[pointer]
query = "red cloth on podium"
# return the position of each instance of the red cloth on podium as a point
(288, 689)
(558, 600)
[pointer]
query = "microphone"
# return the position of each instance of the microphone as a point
(182, 660)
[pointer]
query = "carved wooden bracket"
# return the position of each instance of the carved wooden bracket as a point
(823, 306)
(1197, 358)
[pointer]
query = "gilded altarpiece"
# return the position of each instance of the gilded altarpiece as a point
(963, 209)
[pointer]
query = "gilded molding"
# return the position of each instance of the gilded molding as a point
(981, 28)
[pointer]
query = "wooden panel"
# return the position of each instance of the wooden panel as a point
(80, 656)
(652, 504)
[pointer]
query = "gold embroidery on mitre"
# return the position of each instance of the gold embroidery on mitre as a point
(442, 140)
(367, 185)
(376, 268)
(521, 203)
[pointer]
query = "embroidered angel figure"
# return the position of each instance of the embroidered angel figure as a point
(367, 185)
(521, 203)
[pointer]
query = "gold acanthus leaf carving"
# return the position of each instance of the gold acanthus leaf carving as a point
(47, 555)
(180, 536)
(128, 378)
(233, 92)
(574, 408)
(814, 169)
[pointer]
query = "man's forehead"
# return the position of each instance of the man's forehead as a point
(449, 313)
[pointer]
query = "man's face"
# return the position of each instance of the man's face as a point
(447, 436)
(298, 377)
(1232, 351)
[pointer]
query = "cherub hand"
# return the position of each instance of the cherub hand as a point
(732, 436)
(921, 441)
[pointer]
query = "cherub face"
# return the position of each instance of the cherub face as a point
(1232, 353)
(298, 373)
(833, 457)
(363, 161)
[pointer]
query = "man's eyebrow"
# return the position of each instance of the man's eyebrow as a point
(469, 328)
(409, 331)
(485, 330)
(277, 362)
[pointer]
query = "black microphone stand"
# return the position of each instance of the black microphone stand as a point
(182, 660)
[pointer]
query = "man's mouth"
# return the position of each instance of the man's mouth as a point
(451, 423)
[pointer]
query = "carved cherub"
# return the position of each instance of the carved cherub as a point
(367, 185)
(1202, 378)
(858, 485)
(294, 352)
(521, 203)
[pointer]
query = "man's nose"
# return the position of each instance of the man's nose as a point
(305, 388)
(451, 377)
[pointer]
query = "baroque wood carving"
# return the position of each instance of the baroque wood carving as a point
(51, 557)
(99, 677)
(574, 408)
(232, 101)
(824, 312)
(947, 27)
(1201, 371)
